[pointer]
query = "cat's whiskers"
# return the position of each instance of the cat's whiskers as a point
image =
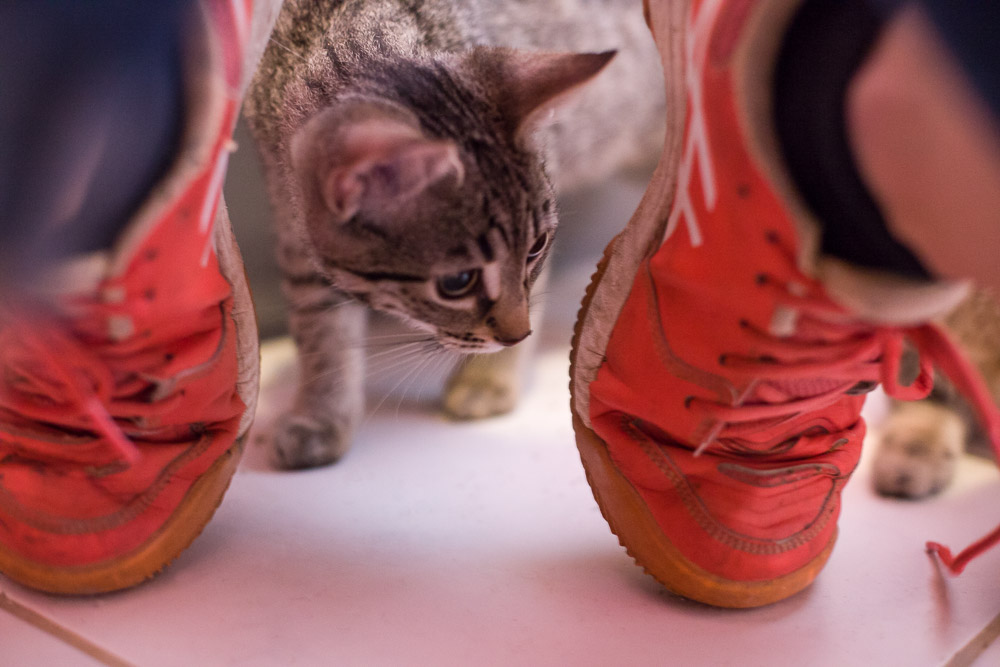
(441, 367)
(380, 366)
(388, 362)
(375, 342)
(375, 348)
(287, 48)
(460, 360)
(538, 298)
(379, 347)
(408, 374)
(411, 334)
(424, 368)
(400, 348)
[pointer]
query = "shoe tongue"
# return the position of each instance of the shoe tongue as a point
(781, 391)
(77, 276)
(877, 297)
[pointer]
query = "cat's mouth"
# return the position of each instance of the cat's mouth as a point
(467, 343)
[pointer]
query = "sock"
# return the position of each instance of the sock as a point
(826, 43)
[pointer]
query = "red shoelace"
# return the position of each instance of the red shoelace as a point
(848, 356)
(53, 382)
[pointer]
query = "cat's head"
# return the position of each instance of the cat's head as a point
(425, 192)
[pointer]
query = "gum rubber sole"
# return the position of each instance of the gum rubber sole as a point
(179, 531)
(639, 533)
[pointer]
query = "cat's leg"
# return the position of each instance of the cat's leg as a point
(487, 385)
(328, 328)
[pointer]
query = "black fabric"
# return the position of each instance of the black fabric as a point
(825, 44)
(970, 27)
(92, 101)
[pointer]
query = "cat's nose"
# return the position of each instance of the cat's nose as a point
(512, 341)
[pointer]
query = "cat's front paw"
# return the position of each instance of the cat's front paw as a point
(485, 385)
(918, 447)
(303, 441)
(480, 397)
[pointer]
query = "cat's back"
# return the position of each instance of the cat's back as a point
(319, 48)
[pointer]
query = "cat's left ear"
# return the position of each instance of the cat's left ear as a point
(529, 84)
(365, 156)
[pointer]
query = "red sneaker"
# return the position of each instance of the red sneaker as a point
(719, 364)
(126, 392)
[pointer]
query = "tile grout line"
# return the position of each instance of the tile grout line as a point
(60, 633)
(967, 655)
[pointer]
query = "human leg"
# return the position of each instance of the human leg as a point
(928, 145)
(89, 120)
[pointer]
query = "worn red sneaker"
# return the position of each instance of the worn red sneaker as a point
(127, 389)
(719, 363)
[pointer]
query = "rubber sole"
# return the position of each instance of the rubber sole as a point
(176, 534)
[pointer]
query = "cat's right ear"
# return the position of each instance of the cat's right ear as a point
(530, 84)
(374, 160)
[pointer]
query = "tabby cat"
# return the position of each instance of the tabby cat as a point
(410, 149)
(920, 442)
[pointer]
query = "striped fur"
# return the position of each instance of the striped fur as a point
(440, 74)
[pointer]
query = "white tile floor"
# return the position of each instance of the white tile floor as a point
(435, 543)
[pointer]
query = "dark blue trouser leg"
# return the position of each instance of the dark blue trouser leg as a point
(91, 106)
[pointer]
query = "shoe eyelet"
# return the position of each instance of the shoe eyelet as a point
(862, 387)
(761, 279)
(687, 402)
(772, 236)
(723, 358)
(120, 327)
(114, 294)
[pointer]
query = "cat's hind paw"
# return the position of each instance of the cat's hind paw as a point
(302, 441)
(918, 447)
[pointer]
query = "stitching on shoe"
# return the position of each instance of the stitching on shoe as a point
(135, 507)
(707, 522)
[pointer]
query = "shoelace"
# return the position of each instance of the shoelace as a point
(56, 379)
(847, 355)
(967, 380)
(51, 378)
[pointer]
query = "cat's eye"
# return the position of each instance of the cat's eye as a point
(538, 246)
(457, 285)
